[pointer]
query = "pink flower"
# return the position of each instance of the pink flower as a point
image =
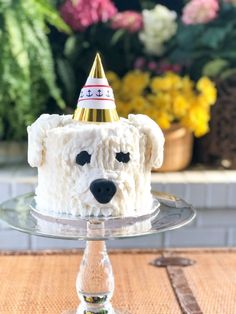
(80, 14)
(200, 11)
(164, 67)
(152, 66)
(130, 20)
(176, 68)
(139, 63)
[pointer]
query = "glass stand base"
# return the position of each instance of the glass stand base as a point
(95, 280)
(108, 310)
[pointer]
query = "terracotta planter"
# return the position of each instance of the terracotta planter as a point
(178, 148)
(13, 152)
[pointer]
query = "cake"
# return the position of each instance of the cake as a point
(94, 163)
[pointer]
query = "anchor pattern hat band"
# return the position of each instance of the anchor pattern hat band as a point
(96, 100)
(96, 94)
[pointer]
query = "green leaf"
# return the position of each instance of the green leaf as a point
(117, 36)
(71, 47)
(225, 74)
(46, 60)
(51, 15)
(16, 41)
(215, 67)
(188, 35)
(228, 54)
(67, 76)
(213, 37)
(27, 79)
(17, 74)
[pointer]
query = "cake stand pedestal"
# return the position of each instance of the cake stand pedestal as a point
(95, 280)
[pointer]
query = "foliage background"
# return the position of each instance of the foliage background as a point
(27, 80)
(102, 38)
(44, 64)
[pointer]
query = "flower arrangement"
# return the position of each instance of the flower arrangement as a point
(193, 38)
(99, 25)
(204, 43)
(196, 39)
(187, 40)
(162, 59)
(167, 99)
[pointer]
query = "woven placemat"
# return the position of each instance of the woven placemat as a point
(44, 282)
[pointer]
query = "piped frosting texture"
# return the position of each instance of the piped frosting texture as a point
(64, 185)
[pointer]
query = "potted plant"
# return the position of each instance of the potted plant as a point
(180, 106)
(27, 80)
(212, 25)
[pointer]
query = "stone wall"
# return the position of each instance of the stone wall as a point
(213, 193)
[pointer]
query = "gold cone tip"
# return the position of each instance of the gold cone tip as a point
(96, 115)
(97, 70)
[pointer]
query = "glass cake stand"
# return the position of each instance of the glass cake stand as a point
(95, 281)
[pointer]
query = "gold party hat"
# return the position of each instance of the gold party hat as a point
(96, 101)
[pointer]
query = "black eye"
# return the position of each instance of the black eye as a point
(122, 157)
(83, 158)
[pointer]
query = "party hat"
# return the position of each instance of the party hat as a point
(96, 101)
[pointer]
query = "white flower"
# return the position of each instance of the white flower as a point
(159, 26)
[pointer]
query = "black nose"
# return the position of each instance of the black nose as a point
(103, 190)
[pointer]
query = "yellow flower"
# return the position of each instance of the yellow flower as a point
(166, 83)
(134, 83)
(114, 80)
(161, 101)
(201, 130)
(207, 88)
(187, 84)
(123, 108)
(176, 80)
(138, 104)
(112, 76)
(161, 84)
(197, 120)
(150, 111)
(172, 98)
(180, 106)
(201, 101)
(163, 119)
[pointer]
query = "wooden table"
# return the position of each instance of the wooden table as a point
(44, 282)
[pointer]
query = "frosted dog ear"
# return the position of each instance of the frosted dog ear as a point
(37, 133)
(155, 138)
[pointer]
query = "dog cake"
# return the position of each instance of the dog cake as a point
(94, 163)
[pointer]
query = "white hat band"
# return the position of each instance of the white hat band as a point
(96, 104)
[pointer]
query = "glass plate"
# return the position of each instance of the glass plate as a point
(169, 212)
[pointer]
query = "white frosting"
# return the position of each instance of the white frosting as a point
(38, 132)
(64, 186)
(155, 135)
